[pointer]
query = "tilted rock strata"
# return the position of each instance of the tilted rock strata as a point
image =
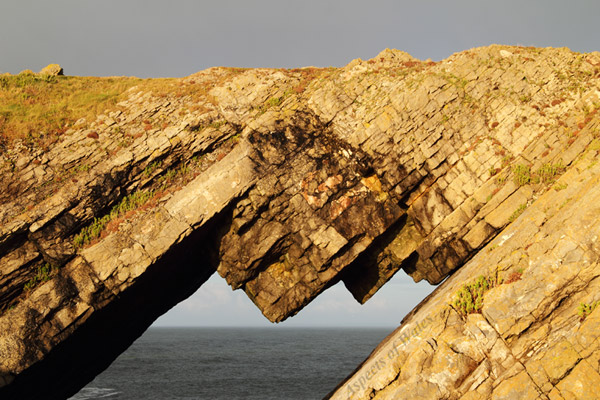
(285, 182)
(529, 341)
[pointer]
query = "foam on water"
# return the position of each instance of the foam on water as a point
(88, 393)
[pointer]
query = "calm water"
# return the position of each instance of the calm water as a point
(234, 363)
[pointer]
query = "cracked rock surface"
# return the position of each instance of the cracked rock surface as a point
(529, 341)
(286, 182)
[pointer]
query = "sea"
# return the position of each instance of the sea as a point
(234, 363)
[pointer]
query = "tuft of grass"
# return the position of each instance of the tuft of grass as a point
(521, 174)
(469, 299)
(42, 275)
(517, 212)
(548, 172)
(274, 102)
(217, 124)
(150, 169)
(585, 309)
(80, 169)
(457, 81)
(525, 98)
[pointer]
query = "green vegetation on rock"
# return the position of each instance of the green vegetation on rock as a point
(42, 275)
(37, 108)
(521, 174)
(162, 185)
(469, 299)
(547, 173)
(95, 229)
(586, 309)
(517, 212)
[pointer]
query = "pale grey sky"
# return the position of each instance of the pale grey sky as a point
(152, 38)
(157, 38)
(215, 304)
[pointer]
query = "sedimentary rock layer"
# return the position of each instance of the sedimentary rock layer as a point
(286, 182)
(531, 339)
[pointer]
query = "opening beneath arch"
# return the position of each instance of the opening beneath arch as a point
(217, 345)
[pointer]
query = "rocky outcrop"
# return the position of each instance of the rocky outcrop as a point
(286, 182)
(529, 341)
(52, 69)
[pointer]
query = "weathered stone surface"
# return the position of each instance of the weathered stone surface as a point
(52, 69)
(286, 182)
(529, 341)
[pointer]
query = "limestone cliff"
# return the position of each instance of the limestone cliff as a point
(286, 182)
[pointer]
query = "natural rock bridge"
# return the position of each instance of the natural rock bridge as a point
(286, 182)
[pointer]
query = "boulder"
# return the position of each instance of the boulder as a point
(52, 70)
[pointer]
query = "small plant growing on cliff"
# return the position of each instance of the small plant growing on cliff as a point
(521, 174)
(166, 183)
(525, 98)
(517, 212)
(42, 275)
(217, 124)
(586, 309)
(548, 172)
(274, 101)
(469, 298)
(150, 169)
(501, 179)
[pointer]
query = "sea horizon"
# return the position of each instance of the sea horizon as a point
(251, 363)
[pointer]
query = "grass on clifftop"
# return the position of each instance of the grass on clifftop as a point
(38, 108)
